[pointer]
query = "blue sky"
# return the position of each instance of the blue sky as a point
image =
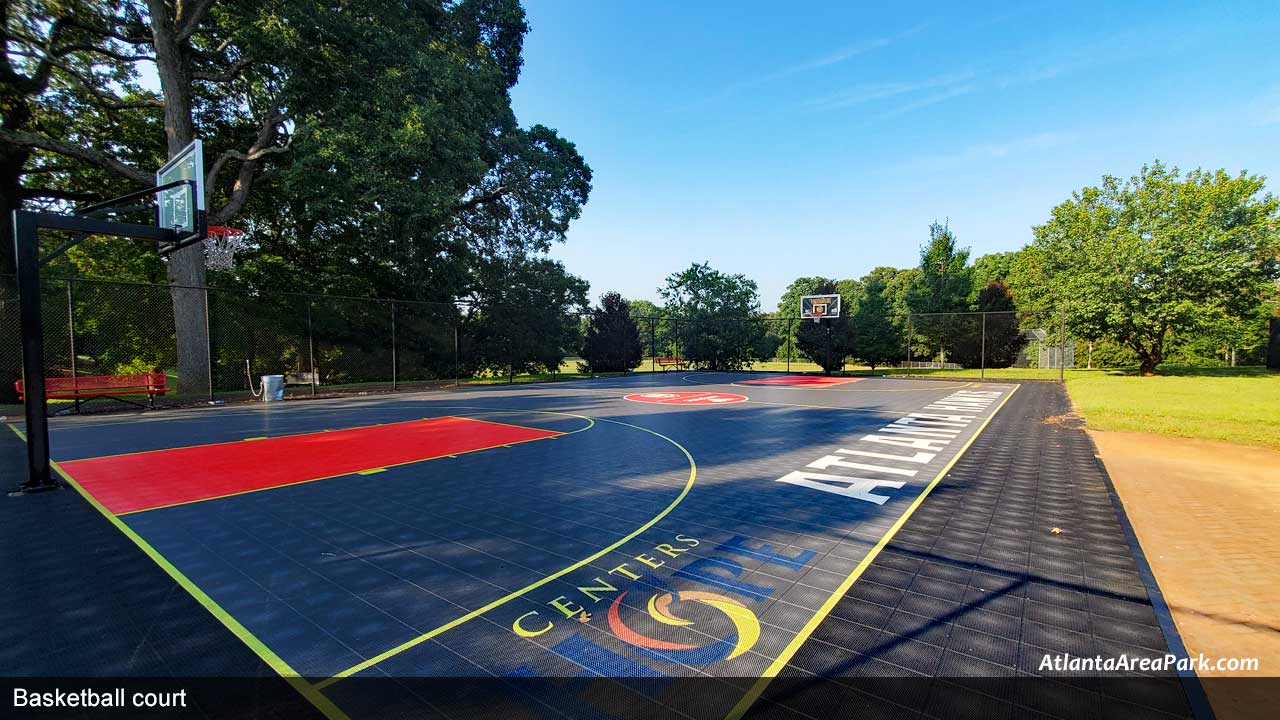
(823, 140)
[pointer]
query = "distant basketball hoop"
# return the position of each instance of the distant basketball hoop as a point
(221, 245)
(817, 307)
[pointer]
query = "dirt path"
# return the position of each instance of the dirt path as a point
(1208, 516)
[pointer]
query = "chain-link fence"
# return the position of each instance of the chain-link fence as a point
(1016, 344)
(325, 344)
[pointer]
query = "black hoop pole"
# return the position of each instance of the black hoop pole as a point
(26, 251)
(27, 254)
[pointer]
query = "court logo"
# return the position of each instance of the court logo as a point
(746, 628)
(686, 398)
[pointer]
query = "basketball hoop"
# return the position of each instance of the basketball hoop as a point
(221, 245)
(817, 307)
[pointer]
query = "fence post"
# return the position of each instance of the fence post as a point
(208, 346)
(789, 345)
(1062, 344)
(311, 348)
(982, 370)
(653, 344)
(71, 337)
(678, 346)
(457, 370)
(909, 339)
(394, 364)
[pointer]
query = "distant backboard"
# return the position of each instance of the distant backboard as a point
(816, 307)
(178, 209)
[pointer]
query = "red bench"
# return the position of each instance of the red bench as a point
(88, 387)
(666, 362)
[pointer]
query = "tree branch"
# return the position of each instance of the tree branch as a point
(28, 193)
(68, 49)
(114, 34)
(226, 76)
(39, 79)
(102, 160)
(134, 104)
(263, 145)
(188, 16)
(474, 202)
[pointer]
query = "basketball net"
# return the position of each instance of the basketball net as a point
(221, 245)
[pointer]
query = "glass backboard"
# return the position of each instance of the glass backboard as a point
(816, 307)
(178, 210)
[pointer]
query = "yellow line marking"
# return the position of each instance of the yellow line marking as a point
(233, 442)
(308, 690)
(357, 472)
(507, 424)
(282, 668)
(371, 471)
(365, 665)
(790, 650)
(260, 437)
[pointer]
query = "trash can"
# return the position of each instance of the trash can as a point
(272, 388)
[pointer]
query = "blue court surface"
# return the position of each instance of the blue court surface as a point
(690, 525)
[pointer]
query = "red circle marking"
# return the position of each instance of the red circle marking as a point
(686, 398)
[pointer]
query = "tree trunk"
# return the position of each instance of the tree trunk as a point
(1147, 366)
(1149, 359)
(186, 267)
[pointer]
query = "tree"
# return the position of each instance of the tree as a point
(993, 341)
(877, 337)
(612, 342)
(524, 316)
(715, 316)
(789, 303)
(1139, 260)
(942, 286)
(655, 332)
(828, 342)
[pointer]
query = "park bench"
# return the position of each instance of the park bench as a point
(88, 387)
(666, 362)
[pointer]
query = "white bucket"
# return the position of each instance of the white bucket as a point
(272, 388)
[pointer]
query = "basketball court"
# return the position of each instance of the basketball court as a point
(649, 526)
(633, 526)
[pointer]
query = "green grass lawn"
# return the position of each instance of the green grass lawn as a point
(1240, 405)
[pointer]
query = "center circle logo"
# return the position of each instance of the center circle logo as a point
(746, 628)
(686, 398)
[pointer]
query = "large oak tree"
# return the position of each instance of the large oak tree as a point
(1138, 260)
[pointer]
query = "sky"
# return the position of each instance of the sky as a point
(824, 139)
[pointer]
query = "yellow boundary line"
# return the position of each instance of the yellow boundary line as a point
(589, 425)
(380, 657)
(790, 650)
(304, 687)
(275, 662)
